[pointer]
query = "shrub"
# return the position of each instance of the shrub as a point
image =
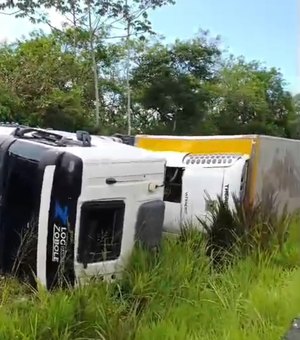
(245, 229)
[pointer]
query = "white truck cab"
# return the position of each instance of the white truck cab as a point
(194, 181)
(84, 202)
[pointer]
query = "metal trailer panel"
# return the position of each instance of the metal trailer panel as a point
(278, 171)
(252, 172)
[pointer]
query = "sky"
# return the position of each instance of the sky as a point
(264, 30)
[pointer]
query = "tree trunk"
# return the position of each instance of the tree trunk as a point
(74, 30)
(94, 67)
(174, 123)
(127, 78)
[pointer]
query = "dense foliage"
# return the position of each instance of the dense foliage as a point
(81, 77)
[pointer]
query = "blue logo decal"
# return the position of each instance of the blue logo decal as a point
(61, 213)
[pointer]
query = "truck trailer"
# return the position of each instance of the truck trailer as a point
(199, 169)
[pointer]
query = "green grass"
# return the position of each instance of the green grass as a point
(173, 295)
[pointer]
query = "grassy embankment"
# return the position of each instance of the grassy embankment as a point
(174, 295)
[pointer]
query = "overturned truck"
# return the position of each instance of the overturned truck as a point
(72, 209)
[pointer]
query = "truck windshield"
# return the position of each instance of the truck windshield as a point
(19, 213)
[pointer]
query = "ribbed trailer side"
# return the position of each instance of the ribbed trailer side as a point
(278, 171)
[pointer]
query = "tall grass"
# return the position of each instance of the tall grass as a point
(177, 293)
(245, 229)
(171, 295)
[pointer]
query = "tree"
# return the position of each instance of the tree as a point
(105, 60)
(98, 18)
(172, 81)
(37, 82)
(251, 99)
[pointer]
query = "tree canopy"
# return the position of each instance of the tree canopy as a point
(187, 87)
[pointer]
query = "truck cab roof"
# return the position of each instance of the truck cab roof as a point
(99, 150)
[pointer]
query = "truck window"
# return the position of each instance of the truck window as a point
(173, 184)
(101, 231)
